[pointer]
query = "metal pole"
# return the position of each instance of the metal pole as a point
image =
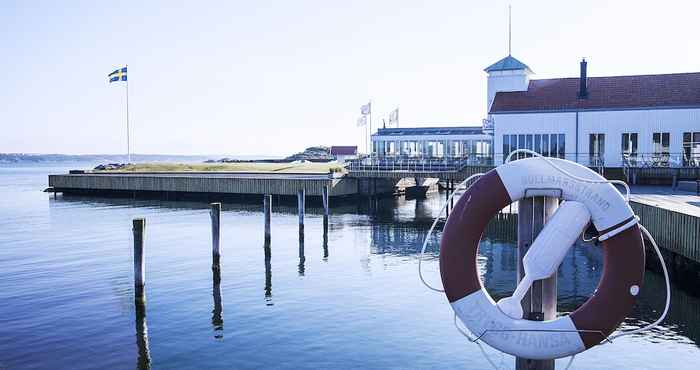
(215, 214)
(540, 303)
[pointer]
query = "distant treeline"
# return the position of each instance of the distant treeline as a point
(97, 158)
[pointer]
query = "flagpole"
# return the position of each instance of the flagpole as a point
(369, 137)
(128, 144)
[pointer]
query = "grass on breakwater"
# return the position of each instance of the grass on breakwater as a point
(292, 167)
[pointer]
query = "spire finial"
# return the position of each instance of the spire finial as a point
(509, 28)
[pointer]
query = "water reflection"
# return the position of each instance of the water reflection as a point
(325, 247)
(578, 275)
(217, 319)
(302, 257)
(268, 274)
(144, 356)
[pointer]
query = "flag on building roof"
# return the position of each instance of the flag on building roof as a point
(361, 121)
(394, 117)
(117, 75)
(366, 109)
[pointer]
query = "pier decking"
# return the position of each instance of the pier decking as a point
(204, 182)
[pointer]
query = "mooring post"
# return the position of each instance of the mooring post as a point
(326, 211)
(447, 198)
(139, 225)
(267, 209)
(300, 199)
(215, 214)
(540, 303)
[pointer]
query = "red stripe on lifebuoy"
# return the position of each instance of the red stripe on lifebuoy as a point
(462, 232)
(623, 267)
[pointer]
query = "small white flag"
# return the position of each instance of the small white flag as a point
(361, 121)
(366, 109)
(394, 117)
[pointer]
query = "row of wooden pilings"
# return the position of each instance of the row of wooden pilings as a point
(139, 226)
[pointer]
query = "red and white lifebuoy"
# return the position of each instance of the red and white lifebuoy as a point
(623, 270)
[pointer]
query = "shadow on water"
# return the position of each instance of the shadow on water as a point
(217, 318)
(143, 362)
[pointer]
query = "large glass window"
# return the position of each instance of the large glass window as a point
(691, 149)
(629, 147)
(553, 147)
(562, 146)
(596, 149)
(661, 142)
(545, 145)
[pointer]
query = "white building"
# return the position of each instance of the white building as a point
(646, 120)
(434, 142)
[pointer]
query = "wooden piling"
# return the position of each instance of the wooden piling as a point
(267, 210)
(139, 226)
(215, 213)
(326, 209)
(540, 303)
(301, 203)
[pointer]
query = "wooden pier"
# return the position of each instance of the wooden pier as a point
(223, 183)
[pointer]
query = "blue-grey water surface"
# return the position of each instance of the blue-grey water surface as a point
(66, 289)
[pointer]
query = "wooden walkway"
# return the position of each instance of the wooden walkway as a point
(205, 182)
(665, 197)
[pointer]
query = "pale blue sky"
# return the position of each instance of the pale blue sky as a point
(272, 77)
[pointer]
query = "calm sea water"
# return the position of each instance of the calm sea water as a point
(66, 296)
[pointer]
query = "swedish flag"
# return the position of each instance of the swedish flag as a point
(117, 75)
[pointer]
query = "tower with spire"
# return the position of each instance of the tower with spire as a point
(508, 74)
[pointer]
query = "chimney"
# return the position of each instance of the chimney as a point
(583, 89)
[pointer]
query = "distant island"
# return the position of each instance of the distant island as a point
(30, 158)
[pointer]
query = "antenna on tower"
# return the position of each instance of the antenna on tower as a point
(509, 28)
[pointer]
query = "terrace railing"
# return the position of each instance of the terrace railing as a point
(418, 163)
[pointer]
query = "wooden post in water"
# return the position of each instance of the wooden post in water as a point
(326, 209)
(540, 303)
(301, 194)
(267, 209)
(215, 214)
(447, 197)
(139, 226)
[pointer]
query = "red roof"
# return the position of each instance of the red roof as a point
(617, 92)
(343, 150)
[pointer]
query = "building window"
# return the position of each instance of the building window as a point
(661, 145)
(596, 149)
(546, 144)
(629, 148)
(691, 149)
